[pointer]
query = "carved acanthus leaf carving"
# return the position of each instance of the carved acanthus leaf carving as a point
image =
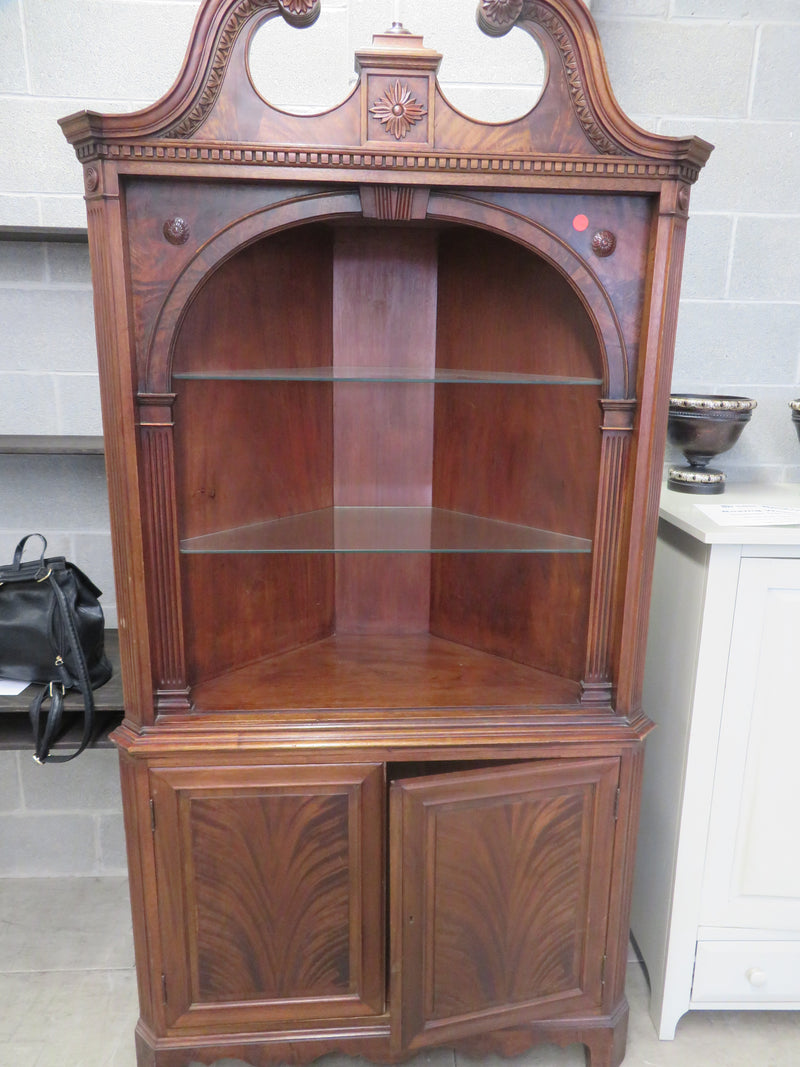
(549, 20)
(398, 111)
(225, 42)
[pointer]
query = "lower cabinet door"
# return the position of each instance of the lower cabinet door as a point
(500, 890)
(270, 893)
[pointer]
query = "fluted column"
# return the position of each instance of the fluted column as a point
(161, 532)
(597, 685)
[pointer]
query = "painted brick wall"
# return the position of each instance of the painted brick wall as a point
(725, 69)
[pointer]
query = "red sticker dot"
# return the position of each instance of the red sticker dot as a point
(580, 223)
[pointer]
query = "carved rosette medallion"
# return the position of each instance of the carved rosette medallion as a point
(300, 12)
(398, 110)
(603, 243)
(91, 179)
(496, 17)
(176, 231)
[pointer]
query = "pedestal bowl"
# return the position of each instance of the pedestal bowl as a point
(702, 427)
(795, 406)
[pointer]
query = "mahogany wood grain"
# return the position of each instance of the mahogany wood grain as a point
(252, 313)
(540, 620)
(270, 305)
(484, 281)
(669, 240)
(126, 506)
(241, 608)
(278, 908)
(376, 671)
(228, 236)
(384, 317)
(246, 452)
(472, 944)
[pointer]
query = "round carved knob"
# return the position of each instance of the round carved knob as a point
(176, 231)
(603, 243)
(300, 12)
(496, 17)
(756, 977)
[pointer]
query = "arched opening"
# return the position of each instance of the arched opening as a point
(403, 471)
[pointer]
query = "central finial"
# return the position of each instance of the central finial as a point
(397, 22)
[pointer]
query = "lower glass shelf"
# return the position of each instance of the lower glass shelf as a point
(383, 530)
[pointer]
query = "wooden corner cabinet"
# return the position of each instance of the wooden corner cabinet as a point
(385, 395)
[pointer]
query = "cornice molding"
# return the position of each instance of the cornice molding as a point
(424, 161)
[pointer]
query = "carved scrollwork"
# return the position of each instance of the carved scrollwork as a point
(240, 14)
(546, 18)
(398, 110)
(496, 17)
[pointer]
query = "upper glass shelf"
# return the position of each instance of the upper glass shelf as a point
(420, 375)
(381, 530)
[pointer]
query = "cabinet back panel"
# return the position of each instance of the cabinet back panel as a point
(246, 452)
(522, 454)
(383, 594)
(506, 452)
(384, 317)
(240, 608)
(502, 307)
(530, 609)
(267, 306)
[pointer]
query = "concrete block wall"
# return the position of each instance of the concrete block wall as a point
(724, 69)
(727, 70)
(61, 820)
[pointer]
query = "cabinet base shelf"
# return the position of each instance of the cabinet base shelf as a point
(355, 672)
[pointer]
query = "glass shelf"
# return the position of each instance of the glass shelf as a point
(381, 530)
(383, 374)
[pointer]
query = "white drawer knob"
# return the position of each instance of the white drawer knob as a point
(756, 977)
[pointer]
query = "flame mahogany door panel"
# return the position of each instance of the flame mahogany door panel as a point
(500, 888)
(270, 893)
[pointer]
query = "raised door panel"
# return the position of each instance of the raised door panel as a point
(500, 891)
(270, 892)
(752, 874)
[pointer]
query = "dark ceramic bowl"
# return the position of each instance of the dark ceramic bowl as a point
(702, 427)
(795, 406)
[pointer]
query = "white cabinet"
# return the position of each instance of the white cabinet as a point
(716, 907)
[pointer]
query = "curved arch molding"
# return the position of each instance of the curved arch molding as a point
(441, 206)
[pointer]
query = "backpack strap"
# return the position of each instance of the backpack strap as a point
(46, 732)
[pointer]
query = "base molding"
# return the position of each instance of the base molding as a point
(604, 1038)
